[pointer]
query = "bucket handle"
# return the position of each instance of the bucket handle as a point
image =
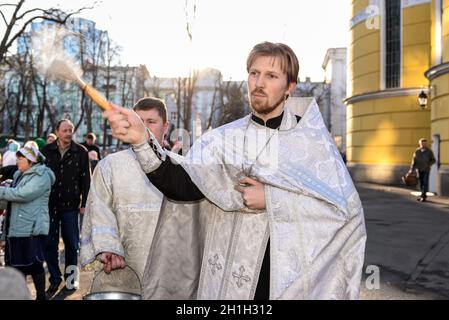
(127, 266)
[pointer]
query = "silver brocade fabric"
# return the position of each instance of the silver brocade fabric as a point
(314, 217)
(121, 216)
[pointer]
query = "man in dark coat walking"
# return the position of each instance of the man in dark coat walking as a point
(70, 163)
(423, 159)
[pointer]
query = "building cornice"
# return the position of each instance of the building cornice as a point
(413, 3)
(437, 71)
(384, 94)
(332, 53)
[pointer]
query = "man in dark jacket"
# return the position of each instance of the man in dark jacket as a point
(70, 163)
(423, 159)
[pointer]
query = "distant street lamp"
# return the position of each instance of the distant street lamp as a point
(423, 100)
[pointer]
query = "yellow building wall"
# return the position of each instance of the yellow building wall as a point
(440, 115)
(359, 5)
(365, 51)
(416, 45)
(364, 56)
(386, 131)
(433, 31)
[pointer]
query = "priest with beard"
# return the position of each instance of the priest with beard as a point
(260, 208)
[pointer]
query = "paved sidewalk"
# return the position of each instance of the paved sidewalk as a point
(408, 241)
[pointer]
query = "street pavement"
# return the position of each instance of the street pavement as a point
(408, 243)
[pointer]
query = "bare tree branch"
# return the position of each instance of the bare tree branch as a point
(4, 18)
(3, 45)
(51, 14)
(8, 4)
(190, 14)
(43, 11)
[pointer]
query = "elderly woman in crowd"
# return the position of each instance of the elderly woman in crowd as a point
(27, 222)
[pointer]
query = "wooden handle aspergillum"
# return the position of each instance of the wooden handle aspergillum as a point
(97, 97)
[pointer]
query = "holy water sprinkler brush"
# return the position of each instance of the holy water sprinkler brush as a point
(66, 70)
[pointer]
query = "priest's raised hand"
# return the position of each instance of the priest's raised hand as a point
(126, 125)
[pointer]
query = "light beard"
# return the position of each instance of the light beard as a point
(265, 108)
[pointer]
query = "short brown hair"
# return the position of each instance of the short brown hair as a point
(91, 136)
(288, 60)
(150, 103)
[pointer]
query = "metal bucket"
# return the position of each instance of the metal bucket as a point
(113, 295)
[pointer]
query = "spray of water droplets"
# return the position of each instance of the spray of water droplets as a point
(49, 56)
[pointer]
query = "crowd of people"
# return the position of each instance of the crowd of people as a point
(45, 187)
(226, 221)
(43, 194)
